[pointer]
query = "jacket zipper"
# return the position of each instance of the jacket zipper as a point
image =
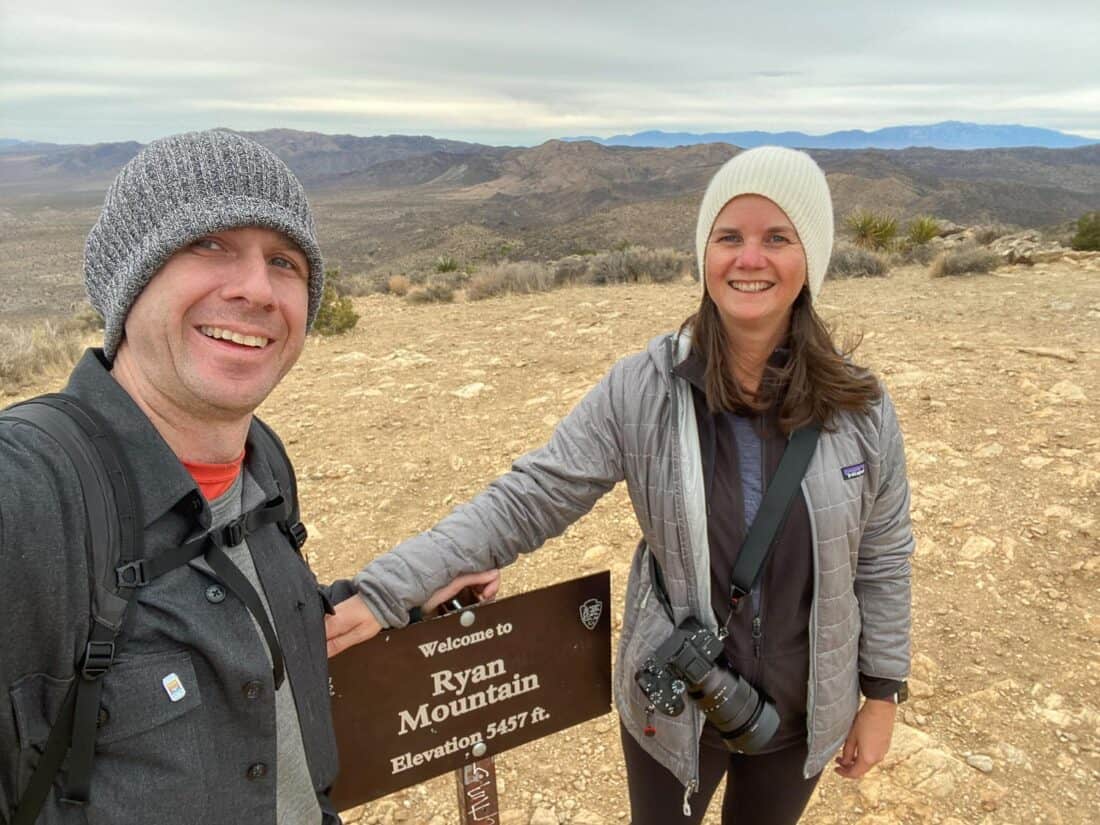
(691, 788)
(674, 402)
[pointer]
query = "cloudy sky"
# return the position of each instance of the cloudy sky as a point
(519, 73)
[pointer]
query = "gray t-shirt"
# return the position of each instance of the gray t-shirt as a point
(295, 799)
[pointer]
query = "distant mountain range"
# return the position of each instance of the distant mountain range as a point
(951, 134)
(393, 204)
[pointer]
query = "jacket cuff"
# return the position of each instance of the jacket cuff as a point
(874, 687)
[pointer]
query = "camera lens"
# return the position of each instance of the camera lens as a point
(744, 717)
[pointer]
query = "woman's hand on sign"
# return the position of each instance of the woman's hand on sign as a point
(484, 587)
(353, 622)
(869, 738)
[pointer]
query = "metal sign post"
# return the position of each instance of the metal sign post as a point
(478, 802)
(444, 694)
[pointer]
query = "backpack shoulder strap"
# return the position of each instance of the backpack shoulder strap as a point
(114, 523)
(279, 461)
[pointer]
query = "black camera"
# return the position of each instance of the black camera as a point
(687, 663)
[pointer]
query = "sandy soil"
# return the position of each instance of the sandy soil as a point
(997, 385)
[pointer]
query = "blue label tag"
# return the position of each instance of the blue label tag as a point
(855, 471)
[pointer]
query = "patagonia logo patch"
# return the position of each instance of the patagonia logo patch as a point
(853, 471)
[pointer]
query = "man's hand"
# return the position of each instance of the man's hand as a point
(868, 740)
(353, 622)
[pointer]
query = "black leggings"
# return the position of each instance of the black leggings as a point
(766, 789)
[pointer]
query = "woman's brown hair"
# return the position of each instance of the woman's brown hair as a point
(815, 383)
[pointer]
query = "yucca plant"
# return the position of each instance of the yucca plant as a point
(922, 229)
(871, 230)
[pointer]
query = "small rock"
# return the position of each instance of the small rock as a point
(351, 358)
(1050, 352)
(980, 761)
(1069, 391)
(471, 390)
(1036, 462)
(976, 547)
(544, 816)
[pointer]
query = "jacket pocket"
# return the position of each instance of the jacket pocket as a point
(148, 764)
(36, 700)
(150, 755)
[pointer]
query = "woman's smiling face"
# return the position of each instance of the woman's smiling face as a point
(755, 266)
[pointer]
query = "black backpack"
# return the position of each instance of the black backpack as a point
(117, 567)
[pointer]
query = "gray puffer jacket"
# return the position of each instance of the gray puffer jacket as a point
(638, 424)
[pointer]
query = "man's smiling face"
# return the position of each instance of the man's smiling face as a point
(220, 324)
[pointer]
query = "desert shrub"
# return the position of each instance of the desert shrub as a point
(397, 285)
(922, 229)
(871, 230)
(434, 292)
(446, 263)
(453, 280)
(570, 269)
(30, 350)
(336, 314)
(521, 277)
(635, 265)
(855, 262)
(908, 253)
(1088, 232)
(353, 285)
(964, 260)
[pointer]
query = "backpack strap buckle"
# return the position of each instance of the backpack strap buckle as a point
(133, 574)
(297, 533)
(98, 658)
(233, 533)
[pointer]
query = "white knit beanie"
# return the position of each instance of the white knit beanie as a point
(792, 181)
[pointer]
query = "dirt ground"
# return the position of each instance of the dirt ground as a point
(997, 383)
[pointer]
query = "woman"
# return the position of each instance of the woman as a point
(696, 426)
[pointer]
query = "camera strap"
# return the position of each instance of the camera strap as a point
(773, 512)
(769, 518)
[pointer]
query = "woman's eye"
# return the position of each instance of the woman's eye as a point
(778, 239)
(207, 243)
(730, 238)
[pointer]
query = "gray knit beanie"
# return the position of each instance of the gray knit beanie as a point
(792, 181)
(173, 192)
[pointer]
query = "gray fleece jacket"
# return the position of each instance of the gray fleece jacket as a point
(638, 424)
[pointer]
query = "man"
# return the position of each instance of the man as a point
(215, 708)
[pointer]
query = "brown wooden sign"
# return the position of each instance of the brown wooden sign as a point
(438, 695)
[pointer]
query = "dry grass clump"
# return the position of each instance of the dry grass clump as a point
(398, 285)
(519, 278)
(571, 269)
(637, 264)
(29, 351)
(354, 285)
(854, 262)
(964, 260)
(433, 292)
